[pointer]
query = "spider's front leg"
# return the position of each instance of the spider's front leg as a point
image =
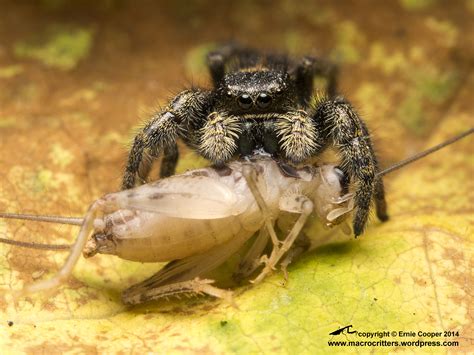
(181, 118)
(347, 131)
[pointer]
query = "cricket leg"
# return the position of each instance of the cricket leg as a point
(251, 260)
(183, 276)
(196, 286)
(250, 175)
(76, 250)
(302, 244)
(299, 204)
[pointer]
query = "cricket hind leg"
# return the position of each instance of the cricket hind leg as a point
(301, 245)
(196, 286)
(182, 277)
(251, 260)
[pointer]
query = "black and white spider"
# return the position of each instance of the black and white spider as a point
(263, 101)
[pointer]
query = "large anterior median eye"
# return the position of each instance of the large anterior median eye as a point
(245, 101)
(264, 100)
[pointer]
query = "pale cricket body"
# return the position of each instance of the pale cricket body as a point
(191, 213)
(202, 217)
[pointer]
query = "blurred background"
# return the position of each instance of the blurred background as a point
(85, 74)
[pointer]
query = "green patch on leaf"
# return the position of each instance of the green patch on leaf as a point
(470, 5)
(60, 47)
(447, 33)
(410, 113)
(60, 156)
(436, 86)
(388, 62)
(190, 161)
(428, 87)
(294, 41)
(195, 60)
(349, 41)
(8, 121)
(10, 71)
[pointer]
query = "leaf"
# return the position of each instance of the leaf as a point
(62, 149)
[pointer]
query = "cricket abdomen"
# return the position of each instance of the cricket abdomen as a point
(180, 216)
(150, 237)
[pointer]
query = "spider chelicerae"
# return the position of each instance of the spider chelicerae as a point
(263, 101)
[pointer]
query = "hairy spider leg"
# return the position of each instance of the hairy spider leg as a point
(183, 117)
(346, 130)
(310, 67)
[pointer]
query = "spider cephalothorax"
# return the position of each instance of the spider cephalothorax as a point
(262, 101)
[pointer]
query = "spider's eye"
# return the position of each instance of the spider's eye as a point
(245, 101)
(264, 100)
(229, 94)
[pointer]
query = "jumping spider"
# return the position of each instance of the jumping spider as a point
(263, 101)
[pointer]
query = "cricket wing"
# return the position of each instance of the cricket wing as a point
(191, 197)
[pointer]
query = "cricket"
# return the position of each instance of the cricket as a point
(195, 221)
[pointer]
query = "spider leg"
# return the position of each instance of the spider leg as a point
(380, 202)
(307, 69)
(216, 61)
(345, 128)
(234, 53)
(183, 116)
(170, 160)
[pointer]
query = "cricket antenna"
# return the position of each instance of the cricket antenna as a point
(423, 154)
(49, 219)
(76, 221)
(40, 246)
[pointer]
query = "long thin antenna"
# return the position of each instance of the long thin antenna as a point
(423, 154)
(40, 246)
(76, 221)
(49, 219)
